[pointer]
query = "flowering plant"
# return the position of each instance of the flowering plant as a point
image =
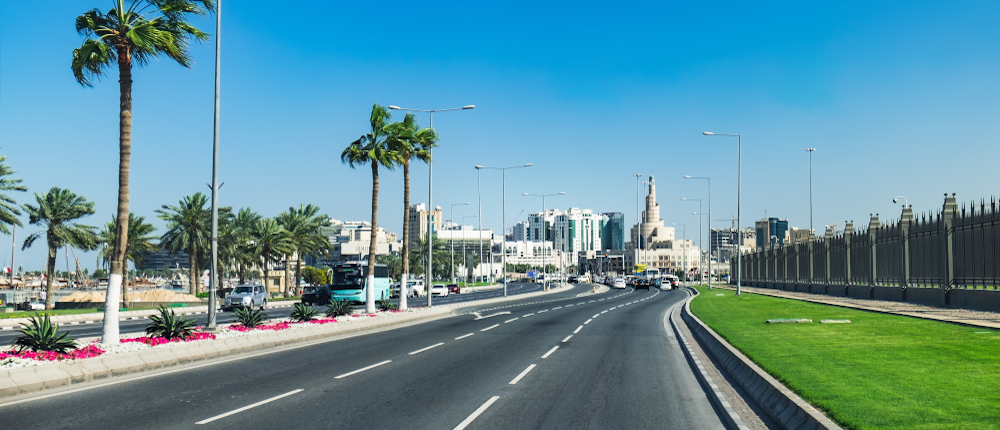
(76, 354)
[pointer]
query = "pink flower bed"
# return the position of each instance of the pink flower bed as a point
(85, 352)
(271, 327)
(153, 341)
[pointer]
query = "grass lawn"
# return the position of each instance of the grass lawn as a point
(879, 372)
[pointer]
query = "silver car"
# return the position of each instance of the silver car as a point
(246, 296)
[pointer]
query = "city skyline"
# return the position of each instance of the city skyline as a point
(888, 103)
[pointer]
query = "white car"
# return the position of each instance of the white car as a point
(439, 290)
(619, 283)
(417, 288)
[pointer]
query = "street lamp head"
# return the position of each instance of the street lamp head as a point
(394, 107)
(687, 176)
(810, 149)
(562, 194)
(479, 167)
(707, 133)
(467, 203)
(525, 193)
(469, 107)
(684, 198)
(527, 165)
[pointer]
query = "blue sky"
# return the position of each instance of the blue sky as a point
(900, 98)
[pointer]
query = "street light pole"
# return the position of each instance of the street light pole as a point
(465, 244)
(503, 231)
(709, 225)
(452, 237)
(479, 234)
(810, 151)
(638, 222)
(739, 205)
(700, 215)
(214, 281)
(429, 275)
(545, 279)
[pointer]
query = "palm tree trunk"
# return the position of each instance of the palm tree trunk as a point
(242, 272)
(370, 295)
(403, 288)
(110, 324)
(298, 274)
(50, 272)
(193, 273)
(286, 289)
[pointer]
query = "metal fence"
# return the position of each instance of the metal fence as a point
(956, 248)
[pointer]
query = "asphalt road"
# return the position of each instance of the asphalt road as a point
(555, 362)
(138, 325)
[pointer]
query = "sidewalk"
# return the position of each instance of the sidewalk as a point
(985, 319)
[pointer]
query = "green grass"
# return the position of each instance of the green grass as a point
(477, 284)
(280, 299)
(54, 312)
(879, 372)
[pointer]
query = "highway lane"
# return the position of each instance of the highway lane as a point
(618, 370)
(138, 325)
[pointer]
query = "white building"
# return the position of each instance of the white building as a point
(540, 225)
(578, 230)
(520, 232)
(350, 241)
(655, 245)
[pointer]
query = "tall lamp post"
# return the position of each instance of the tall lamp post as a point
(709, 224)
(638, 222)
(430, 196)
(739, 197)
(700, 215)
(214, 266)
(683, 250)
(503, 232)
(545, 279)
(465, 258)
(810, 151)
(452, 237)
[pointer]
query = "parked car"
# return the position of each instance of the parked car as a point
(316, 295)
(439, 290)
(453, 288)
(246, 296)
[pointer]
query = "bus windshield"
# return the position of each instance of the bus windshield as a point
(348, 278)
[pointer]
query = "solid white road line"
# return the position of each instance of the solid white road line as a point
(475, 414)
(588, 321)
(567, 339)
(491, 327)
(363, 369)
(512, 319)
(525, 372)
(577, 330)
(547, 354)
(464, 336)
(248, 407)
(429, 347)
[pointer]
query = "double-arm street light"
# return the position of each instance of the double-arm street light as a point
(545, 279)
(452, 236)
(739, 196)
(503, 232)
(709, 224)
(700, 215)
(428, 275)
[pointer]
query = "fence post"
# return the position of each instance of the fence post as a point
(873, 226)
(905, 222)
(828, 239)
(947, 219)
(848, 234)
(812, 277)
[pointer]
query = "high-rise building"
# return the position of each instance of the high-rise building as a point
(418, 222)
(520, 233)
(578, 230)
(771, 232)
(613, 234)
(540, 225)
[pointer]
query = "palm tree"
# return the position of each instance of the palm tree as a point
(372, 149)
(303, 227)
(442, 258)
(188, 230)
(56, 211)
(241, 236)
(409, 142)
(131, 32)
(140, 242)
(8, 207)
(272, 243)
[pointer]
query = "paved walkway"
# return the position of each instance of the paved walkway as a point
(986, 319)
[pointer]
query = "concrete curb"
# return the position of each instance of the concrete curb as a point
(59, 374)
(729, 415)
(785, 407)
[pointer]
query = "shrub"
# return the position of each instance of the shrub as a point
(250, 318)
(336, 309)
(302, 313)
(169, 326)
(385, 305)
(43, 335)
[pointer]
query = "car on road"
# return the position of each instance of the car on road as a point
(453, 288)
(439, 290)
(619, 283)
(316, 295)
(246, 296)
(417, 288)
